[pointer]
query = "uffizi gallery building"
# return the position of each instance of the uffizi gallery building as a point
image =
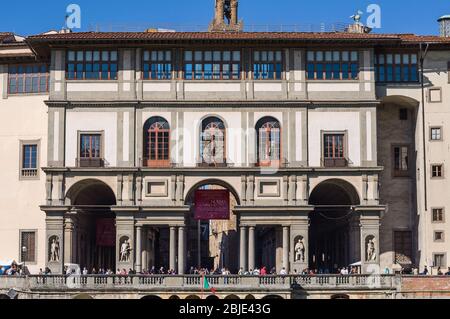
(225, 149)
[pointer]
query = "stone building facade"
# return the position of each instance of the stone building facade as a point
(318, 137)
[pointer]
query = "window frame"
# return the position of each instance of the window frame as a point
(268, 163)
(101, 159)
(439, 89)
(84, 62)
(157, 162)
(432, 215)
(201, 148)
(345, 158)
(431, 134)
(193, 62)
(432, 166)
(22, 144)
(35, 232)
(394, 65)
(26, 75)
(442, 240)
(340, 61)
(394, 243)
(151, 62)
(400, 173)
(274, 62)
(444, 257)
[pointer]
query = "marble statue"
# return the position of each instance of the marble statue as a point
(299, 250)
(371, 255)
(125, 251)
(54, 250)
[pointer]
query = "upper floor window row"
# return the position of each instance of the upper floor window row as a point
(267, 65)
(28, 78)
(212, 65)
(396, 67)
(157, 65)
(92, 65)
(332, 65)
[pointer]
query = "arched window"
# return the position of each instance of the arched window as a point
(212, 142)
(269, 146)
(156, 142)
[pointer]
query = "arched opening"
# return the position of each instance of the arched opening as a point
(94, 227)
(4, 297)
(156, 142)
(340, 296)
(212, 297)
(83, 297)
(174, 297)
(193, 297)
(212, 237)
(151, 297)
(331, 233)
(250, 297)
(232, 297)
(213, 142)
(272, 297)
(268, 132)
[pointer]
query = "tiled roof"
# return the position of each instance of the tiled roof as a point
(346, 36)
(211, 36)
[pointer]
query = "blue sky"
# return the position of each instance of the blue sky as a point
(398, 16)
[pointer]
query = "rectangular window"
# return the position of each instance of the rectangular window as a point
(439, 260)
(28, 78)
(92, 65)
(28, 246)
(401, 161)
(332, 65)
(403, 247)
(437, 170)
(437, 215)
(334, 150)
(29, 165)
(90, 150)
(157, 65)
(212, 65)
(436, 134)
(267, 65)
(439, 236)
(403, 114)
(396, 67)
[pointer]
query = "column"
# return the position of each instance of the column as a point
(138, 249)
(181, 251)
(243, 248)
(251, 247)
(286, 248)
(144, 249)
(68, 239)
(172, 245)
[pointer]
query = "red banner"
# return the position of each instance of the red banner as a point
(212, 204)
(106, 232)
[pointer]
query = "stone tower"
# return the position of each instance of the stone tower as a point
(226, 17)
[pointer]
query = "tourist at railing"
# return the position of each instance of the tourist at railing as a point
(448, 272)
(439, 272)
(283, 272)
(425, 271)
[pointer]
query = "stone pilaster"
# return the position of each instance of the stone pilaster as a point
(54, 229)
(299, 237)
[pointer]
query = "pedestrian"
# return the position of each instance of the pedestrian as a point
(283, 272)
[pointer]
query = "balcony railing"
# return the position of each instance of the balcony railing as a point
(90, 162)
(335, 162)
(158, 282)
(29, 172)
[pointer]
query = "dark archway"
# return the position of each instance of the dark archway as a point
(4, 297)
(272, 297)
(83, 297)
(340, 296)
(330, 232)
(174, 297)
(212, 297)
(212, 243)
(193, 297)
(95, 242)
(151, 297)
(232, 297)
(250, 297)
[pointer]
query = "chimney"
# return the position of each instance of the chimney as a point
(226, 17)
(444, 25)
